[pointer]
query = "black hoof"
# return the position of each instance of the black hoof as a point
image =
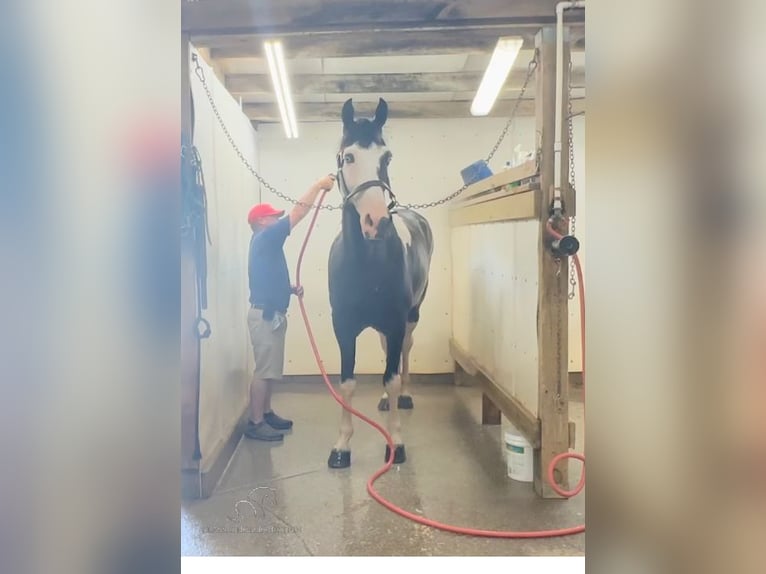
(339, 459)
(405, 402)
(383, 404)
(399, 455)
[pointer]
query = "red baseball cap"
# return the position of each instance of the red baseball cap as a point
(263, 210)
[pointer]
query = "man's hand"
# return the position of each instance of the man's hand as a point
(306, 202)
(297, 290)
(327, 182)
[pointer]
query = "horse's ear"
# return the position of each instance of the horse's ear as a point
(381, 113)
(348, 114)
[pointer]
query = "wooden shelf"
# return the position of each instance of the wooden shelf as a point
(505, 207)
(526, 170)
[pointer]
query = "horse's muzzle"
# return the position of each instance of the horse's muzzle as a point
(377, 231)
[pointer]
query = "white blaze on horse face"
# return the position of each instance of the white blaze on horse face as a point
(359, 166)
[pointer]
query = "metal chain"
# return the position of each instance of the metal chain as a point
(572, 275)
(201, 75)
(530, 72)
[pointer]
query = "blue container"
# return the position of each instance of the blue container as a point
(476, 172)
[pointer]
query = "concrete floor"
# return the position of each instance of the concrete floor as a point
(283, 500)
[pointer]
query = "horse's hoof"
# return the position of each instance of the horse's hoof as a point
(399, 455)
(339, 459)
(405, 402)
(383, 404)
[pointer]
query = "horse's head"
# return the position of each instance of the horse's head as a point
(363, 170)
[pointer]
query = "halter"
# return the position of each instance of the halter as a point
(365, 185)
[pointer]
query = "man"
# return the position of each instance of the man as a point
(270, 292)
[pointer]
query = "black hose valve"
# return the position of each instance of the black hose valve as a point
(567, 246)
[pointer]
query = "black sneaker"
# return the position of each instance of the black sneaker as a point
(277, 422)
(262, 431)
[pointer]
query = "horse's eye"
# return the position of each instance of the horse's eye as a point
(348, 158)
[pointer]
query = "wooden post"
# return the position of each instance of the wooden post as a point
(553, 399)
(189, 342)
(570, 204)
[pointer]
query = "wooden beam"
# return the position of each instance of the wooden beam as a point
(499, 193)
(553, 387)
(365, 44)
(511, 208)
(519, 415)
(301, 84)
(280, 16)
(330, 112)
(566, 191)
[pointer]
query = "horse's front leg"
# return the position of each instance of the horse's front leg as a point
(383, 403)
(392, 383)
(340, 455)
(405, 400)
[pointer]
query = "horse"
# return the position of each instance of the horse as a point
(378, 272)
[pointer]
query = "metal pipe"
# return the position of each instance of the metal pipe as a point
(560, 7)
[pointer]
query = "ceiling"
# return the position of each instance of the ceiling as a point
(425, 57)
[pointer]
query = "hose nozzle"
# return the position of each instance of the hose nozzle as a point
(567, 246)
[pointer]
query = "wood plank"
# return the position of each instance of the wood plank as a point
(246, 16)
(553, 404)
(519, 415)
(246, 84)
(513, 207)
(353, 44)
(500, 193)
(490, 413)
(526, 170)
(350, 43)
(572, 435)
(330, 112)
(566, 191)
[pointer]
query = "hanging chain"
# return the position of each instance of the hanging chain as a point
(572, 276)
(530, 72)
(201, 75)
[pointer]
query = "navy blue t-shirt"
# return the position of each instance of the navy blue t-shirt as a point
(267, 269)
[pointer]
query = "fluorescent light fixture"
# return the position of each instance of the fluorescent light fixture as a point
(276, 60)
(506, 51)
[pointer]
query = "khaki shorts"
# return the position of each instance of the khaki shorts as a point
(268, 345)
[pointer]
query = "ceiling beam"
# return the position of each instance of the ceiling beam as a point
(302, 84)
(354, 44)
(313, 112)
(209, 17)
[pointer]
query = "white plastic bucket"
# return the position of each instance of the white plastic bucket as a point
(519, 457)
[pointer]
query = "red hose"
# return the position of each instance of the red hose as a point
(371, 482)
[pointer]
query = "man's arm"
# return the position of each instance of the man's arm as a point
(307, 201)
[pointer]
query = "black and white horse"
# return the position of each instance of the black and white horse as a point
(378, 272)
